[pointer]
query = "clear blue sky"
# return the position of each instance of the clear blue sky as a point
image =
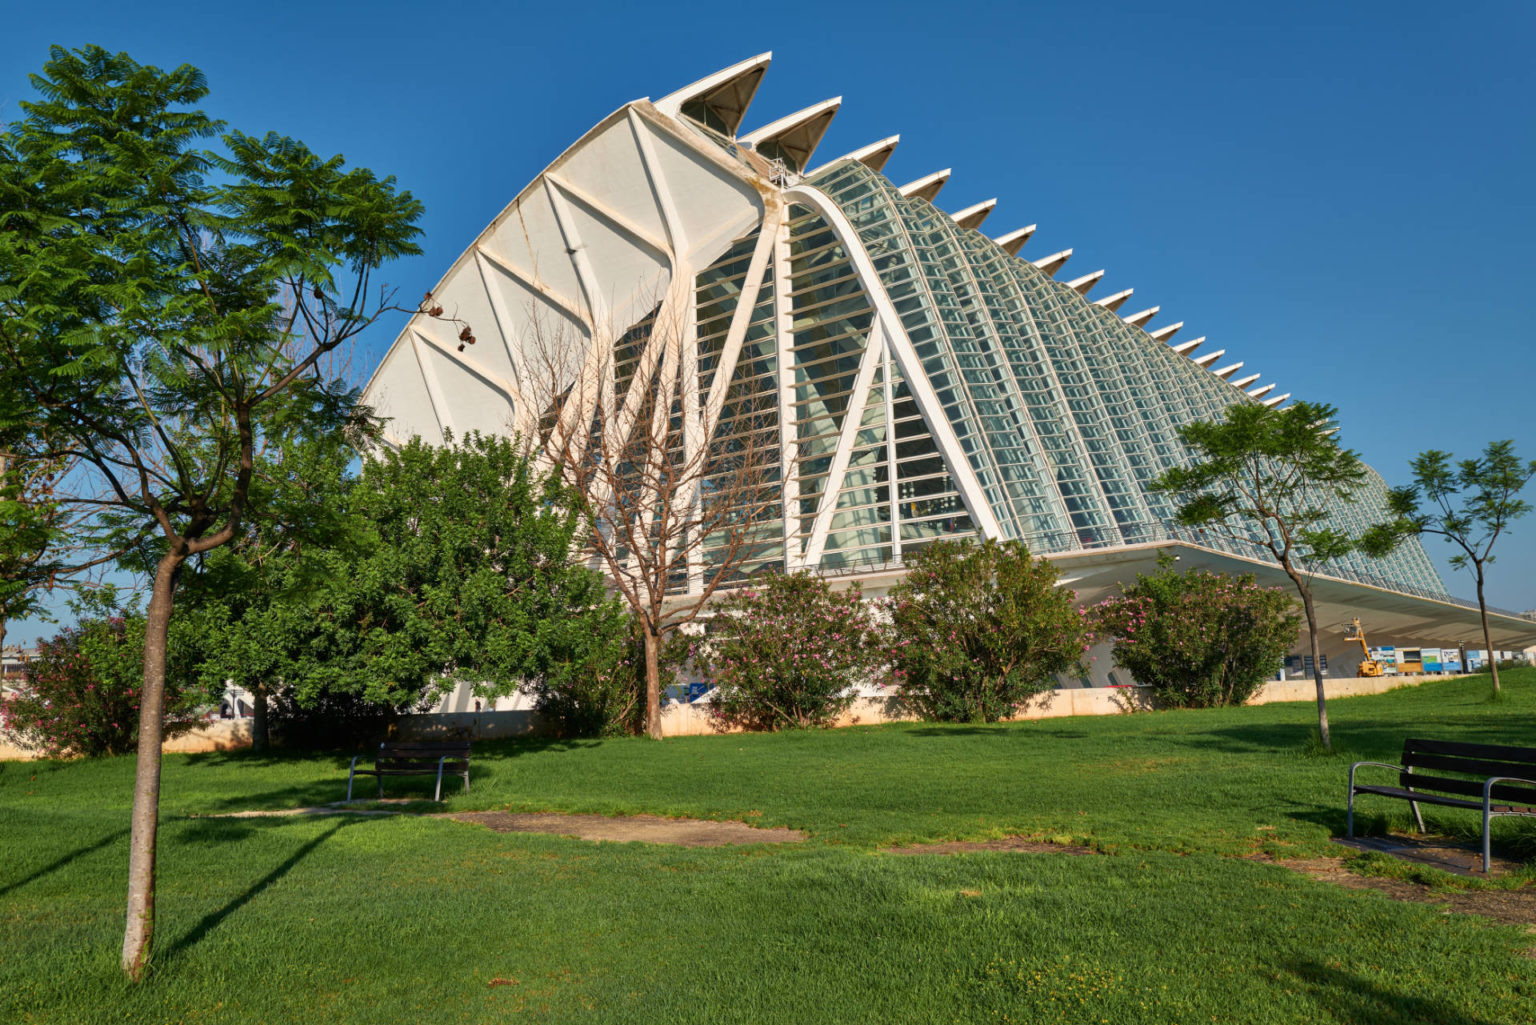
(1339, 194)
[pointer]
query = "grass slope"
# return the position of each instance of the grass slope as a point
(413, 919)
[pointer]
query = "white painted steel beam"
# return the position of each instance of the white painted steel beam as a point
(1114, 302)
(1277, 399)
(797, 134)
(1259, 393)
(1053, 263)
(1184, 348)
(872, 156)
(972, 216)
(928, 186)
(1209, 358)
(1138, 319)
(1014, 240)
(728, 92)
(1228, 371)
(1246, 381)
(1164, 333)
(1084, 284)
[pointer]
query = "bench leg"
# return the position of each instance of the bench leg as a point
(350, 777)
(1418, 816)
(438, 794)
(1349, 831)
(381, 786)
(1487, 842)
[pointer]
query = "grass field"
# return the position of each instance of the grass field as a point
(413, 919)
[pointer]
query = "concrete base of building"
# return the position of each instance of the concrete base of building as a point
(693, 720)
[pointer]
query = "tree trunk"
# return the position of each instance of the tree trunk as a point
(1317, 669)
(259, 738)
(139, 935)
(652, 684)
(1482, 609)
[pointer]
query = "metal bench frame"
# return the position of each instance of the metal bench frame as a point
(1427, 795)
(426, 768)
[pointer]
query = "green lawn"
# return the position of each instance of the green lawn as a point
(407, 919)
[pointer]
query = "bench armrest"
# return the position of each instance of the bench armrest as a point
(1381, 765)
(354, 762)
(1491, 780)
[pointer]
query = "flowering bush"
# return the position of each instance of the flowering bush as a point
(1199, 639)
(980, 628)
(786, 653)
(82, 694)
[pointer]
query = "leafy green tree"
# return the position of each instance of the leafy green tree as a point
(448, 564)
(1263, 477)
(165, 310)
(786, 651)
(1199, 639)
(980, 628)
(32, 521)
(1469, 502)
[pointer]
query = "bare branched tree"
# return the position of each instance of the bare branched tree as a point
(674, 460)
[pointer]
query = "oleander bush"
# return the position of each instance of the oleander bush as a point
(1199, 639)
(83, 687)
(979, 629)
(787, 653)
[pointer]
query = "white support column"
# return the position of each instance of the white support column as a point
(789, 442)
(874, 347)
(890, 449)
(741, 317)
(926, 398)
(434, 386)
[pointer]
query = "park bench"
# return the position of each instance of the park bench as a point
(415, 758)
(1480, 775)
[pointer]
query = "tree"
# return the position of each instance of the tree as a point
(787, 651)
(980, 628)
(166, 310)
(1199, 639)
(1263, 477)
(32, 522)
(463, 573)
(678, 502)
(1471, 504)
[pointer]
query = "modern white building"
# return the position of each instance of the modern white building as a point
(924, 379)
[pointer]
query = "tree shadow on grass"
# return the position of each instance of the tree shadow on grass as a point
(58, 863)
(1350, 997)
(227, 832)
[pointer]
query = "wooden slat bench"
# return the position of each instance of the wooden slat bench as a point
(1479, 775)
(416, 758)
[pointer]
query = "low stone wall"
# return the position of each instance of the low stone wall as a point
(693, 720)
(216, 735)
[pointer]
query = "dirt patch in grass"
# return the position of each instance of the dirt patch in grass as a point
(631, 828)
(1018, 844)
(1513, 907)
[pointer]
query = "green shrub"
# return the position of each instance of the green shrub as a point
(786, 652)
(980, 628)
(82, 694)
(1199, 639)
(601, 693)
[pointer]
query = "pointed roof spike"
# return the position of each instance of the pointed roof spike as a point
(1166, 332)
(972, 216)
(1084, 284)
(1189, 346)
(1260, 392)
(726, 94)
(1137, 319)
(1209, 358)
(1014, 240)
(1228, 371)
(1246, 381)
(1277, 399)
(795, 137)
(1114, 302)
(928, 186)
(872, 156)
(1053, 263)
(1331, 430)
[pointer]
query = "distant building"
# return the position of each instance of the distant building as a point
(928, 380)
